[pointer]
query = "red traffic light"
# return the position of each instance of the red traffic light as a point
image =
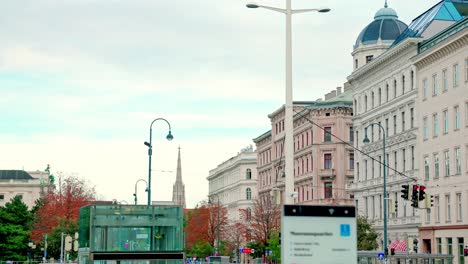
(415, 187)
(422, 188)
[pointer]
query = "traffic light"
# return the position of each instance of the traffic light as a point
(415, 245)
(429, 201)
(405, 191)
(465, 252)
(396, 207)
(415, 197)
(392, 251)
(422, 192)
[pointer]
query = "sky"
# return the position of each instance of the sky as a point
(82, 80)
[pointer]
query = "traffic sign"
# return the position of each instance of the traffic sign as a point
(380, 255)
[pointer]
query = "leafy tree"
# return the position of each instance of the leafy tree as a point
(366, 236)
(201, 249)
(15, 225)
(257, 247)
(260, 221)
(60, 211)
(275, 246)
(235, 237)
(203, 224)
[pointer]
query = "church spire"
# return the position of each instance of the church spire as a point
(178, 189)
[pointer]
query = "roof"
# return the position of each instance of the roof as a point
(386, 27)
(343, 99)
(15, 175)
(444, 10)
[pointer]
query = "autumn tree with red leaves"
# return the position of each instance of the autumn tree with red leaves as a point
(59, 209)
(262, 219)
(202, 223)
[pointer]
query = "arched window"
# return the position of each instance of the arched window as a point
(248, 194)
(248, 174)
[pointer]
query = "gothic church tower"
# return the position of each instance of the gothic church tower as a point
(178, 190)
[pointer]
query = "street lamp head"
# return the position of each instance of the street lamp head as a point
(252, 5)
(147, 144)
(366, 139)
(169, 136)
(324, 10)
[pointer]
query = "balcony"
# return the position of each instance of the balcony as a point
(327, 174)
(349, 174)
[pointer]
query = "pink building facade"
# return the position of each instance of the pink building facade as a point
(323, 152)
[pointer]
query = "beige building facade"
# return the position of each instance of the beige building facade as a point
(234, 183)
(29, 185)
(442, 78)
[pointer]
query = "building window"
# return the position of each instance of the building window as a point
(395, 160)
(386, 93)
(466, 70)
(446, 121)
(457, 161)
(437, 208)
(2, 197)
(403, 122)
(328, 190)
(434, 85)
(248, 174)
(412, 157)
(426, 128)
(426, 168)
(369, 58)
(411, 117)
(448, 209)
(444, 81)
(372, 101)
(380, 96)
(365, 103)
(403, 84)
(355, 63)
(447, 163)
(424, 88)
(412, 80)
(351, 161)
(436, 166)
(380, 166)
(449, 246)
(394, 125)
(365, 169)
(455, 75)
(394, 88)
(248, 194)
(386, 127)
(439, 245)
(351, 134)
(459, 207)
(461, 257)
(456, 110)
(327, 135)
(435, 131)
(428, 215)
(404, 159)
(327, 161)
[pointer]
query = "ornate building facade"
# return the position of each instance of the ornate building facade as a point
(234, 183)
(442, 66)
(323, 158)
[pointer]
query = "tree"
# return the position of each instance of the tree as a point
(366, 236)
(235, 236)
(260, 221)
(60, 210)
(15, 225)
(202, 223)
(275, 246)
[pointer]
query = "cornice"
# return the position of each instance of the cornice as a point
(384, 58)
(442, 49)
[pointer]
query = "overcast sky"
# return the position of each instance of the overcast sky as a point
(81, 81)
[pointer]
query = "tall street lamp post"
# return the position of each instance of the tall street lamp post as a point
(217, 226)
(288, 116)
(150, 152)
(135, 194)
(385, 198)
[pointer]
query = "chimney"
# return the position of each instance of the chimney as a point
(330, 95)
(338, 90)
